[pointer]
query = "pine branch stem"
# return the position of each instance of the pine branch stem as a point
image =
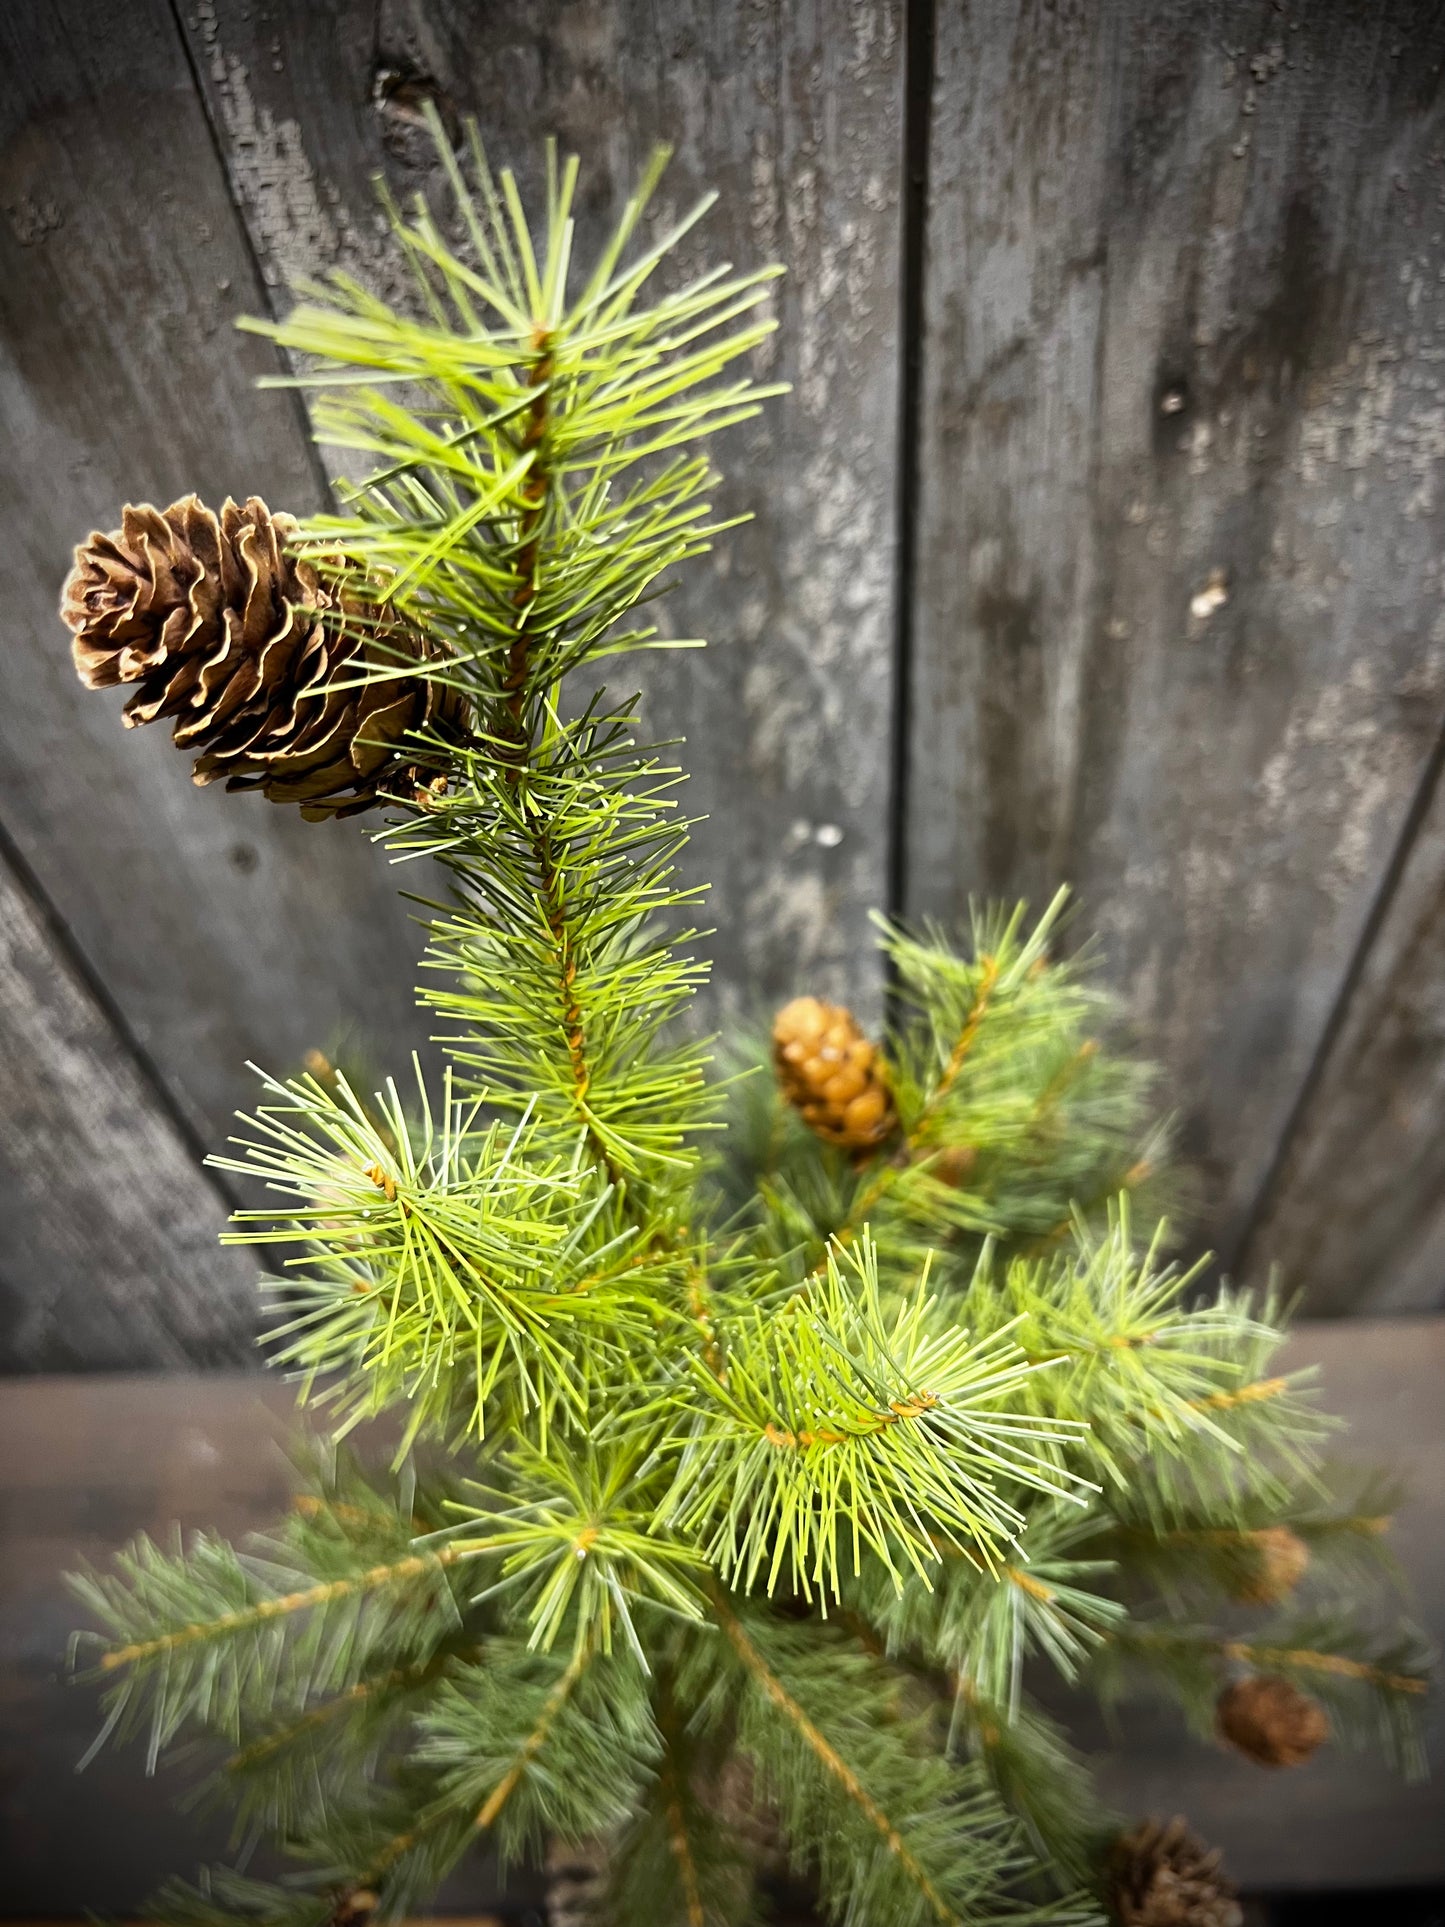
(282, 1607)
(829, 1758)
(516, 734)
(573, 1025)
(699, 1295)
(982, 997)
(318, 1716)
(1257, 1392)
(986, 1728)
(1304, 1659)
(1309, 1661)
(504, 1789)
(673, 1782)
(490, 1810)
(1026, 1583)
(898, 1410)
(535, 488)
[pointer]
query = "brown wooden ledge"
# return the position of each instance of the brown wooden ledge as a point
(86, 1462)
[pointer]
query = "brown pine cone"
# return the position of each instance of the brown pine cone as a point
(1270, 1720)
(1162, 1875)
(1278, 1560)
(244, 646)
(830, 1073)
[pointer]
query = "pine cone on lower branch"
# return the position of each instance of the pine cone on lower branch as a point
(257, 659)
(1162, 1875)
(1270, 1720)
(1277, 1561)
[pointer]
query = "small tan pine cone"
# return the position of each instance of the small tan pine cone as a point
(246, 648)
(830, 1073)
(1162, 1875)
(1278, 1560)
(1270, 1721)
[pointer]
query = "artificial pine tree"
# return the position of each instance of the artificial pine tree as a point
(754, 1434)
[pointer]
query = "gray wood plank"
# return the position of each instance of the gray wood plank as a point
(223, 928)
(794, 115)
(1356, 1212)
(84, 1462)
(108, 1252)
(1178, 599)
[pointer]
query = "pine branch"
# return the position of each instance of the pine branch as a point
(684, 1855)
(453, 1271)
(1038, 1776)
(1300, 1659)
(833, 1764)
(552, 1706)
(1009, 1111)
(895, 1831)
(673, 1790)
(1374, 1687)
(840, 1427)
(578, 1552)
(1049, 1597)
(248, 1618)
(525, 1747)
(283, 1779)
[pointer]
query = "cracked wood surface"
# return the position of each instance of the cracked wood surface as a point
(1356, 1210)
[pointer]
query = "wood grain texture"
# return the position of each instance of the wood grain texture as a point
(108, 1252)
(85, 1461)
(1178, 622)
(793, 114)
(222, 928)
(1357, 1208)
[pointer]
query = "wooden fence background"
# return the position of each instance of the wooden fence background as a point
(1100, 538)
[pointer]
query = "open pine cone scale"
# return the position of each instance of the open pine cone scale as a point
(254, 655)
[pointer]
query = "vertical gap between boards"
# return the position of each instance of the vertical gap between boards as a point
(918, 77)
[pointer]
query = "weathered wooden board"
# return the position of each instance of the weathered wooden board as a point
(108, 1252)
(222, 928)
(84, 1462)
(1177, 618)
(1356, 1211)
(1178, 624)
(793, 114)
